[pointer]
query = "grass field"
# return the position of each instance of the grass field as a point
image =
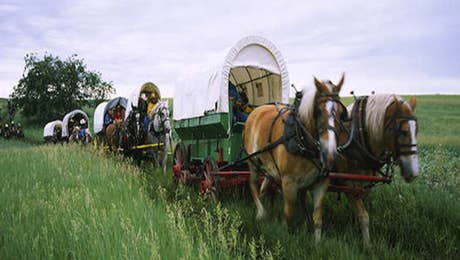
(70, 202)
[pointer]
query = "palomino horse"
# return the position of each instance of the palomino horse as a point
(159, 134)
(318, 111)
(383, 131)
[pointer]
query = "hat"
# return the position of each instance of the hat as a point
(82, 121)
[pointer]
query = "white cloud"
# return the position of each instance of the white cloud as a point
(378, 45)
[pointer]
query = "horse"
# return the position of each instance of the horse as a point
(382, 131)
(318, 111)
(57, 135)
(112, 134)
(133, 133)
(159, 133)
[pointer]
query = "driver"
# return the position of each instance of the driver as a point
(82, 129)
(118, 114)
(241, 108)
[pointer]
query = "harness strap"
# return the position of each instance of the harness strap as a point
(267, 148)
(358, 136)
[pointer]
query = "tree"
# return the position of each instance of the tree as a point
(50, 87)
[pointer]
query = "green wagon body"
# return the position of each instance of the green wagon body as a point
(206, 134)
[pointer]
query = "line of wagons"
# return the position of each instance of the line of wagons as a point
(208, 119)
(120, 125)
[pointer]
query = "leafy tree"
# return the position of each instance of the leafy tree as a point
(50, 87)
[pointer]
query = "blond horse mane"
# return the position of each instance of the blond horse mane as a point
(375, 113)
(307, 104)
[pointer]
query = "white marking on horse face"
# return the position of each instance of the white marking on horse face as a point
(413, 130)
(332, 145)
(409, 163)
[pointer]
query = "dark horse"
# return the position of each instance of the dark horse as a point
(133, 133)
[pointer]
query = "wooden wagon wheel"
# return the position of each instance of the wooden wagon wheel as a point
(180, 173)
(209, 185)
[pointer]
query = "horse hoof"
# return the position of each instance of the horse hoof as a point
(260, 216)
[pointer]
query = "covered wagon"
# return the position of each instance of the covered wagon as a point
(139, 138)
(75, 126)
(52, 132)
(210, 109)
(106, 113)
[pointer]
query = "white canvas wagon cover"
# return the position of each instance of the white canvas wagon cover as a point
(253, 61)
(68, 116)
(49, 127)
(98, 119)
(134, 96)
(101, 109)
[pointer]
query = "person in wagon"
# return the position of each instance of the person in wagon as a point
(82, 128)
(240, 103)
(118, 114)
(108, 118)
(152, 102)
(57, 133)
(6, 130)
(13, 129)
(19, 131)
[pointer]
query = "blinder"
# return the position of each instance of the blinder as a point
(397, 132)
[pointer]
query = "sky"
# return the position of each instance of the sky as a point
(403, 47)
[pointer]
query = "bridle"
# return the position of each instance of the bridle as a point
(357, 135)
(163, 115)
(324, 98)
(397, 132)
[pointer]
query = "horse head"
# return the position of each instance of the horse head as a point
(160, 122)
(402, 136)
(132, 128)
(322, 117)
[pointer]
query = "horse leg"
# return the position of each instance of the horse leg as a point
(303, 203)
(363, 216)
(290, 191)
(318, 195)
(165, 152)
(264, 187)
(164, 155)
(254, 186)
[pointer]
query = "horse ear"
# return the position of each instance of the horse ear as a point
(320, 86)
(412, 102)
(339, 85)
(396, 101)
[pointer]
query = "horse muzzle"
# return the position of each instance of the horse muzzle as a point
(409, 167)
(328, 155)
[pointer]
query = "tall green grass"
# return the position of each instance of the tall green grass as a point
(67, 202)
